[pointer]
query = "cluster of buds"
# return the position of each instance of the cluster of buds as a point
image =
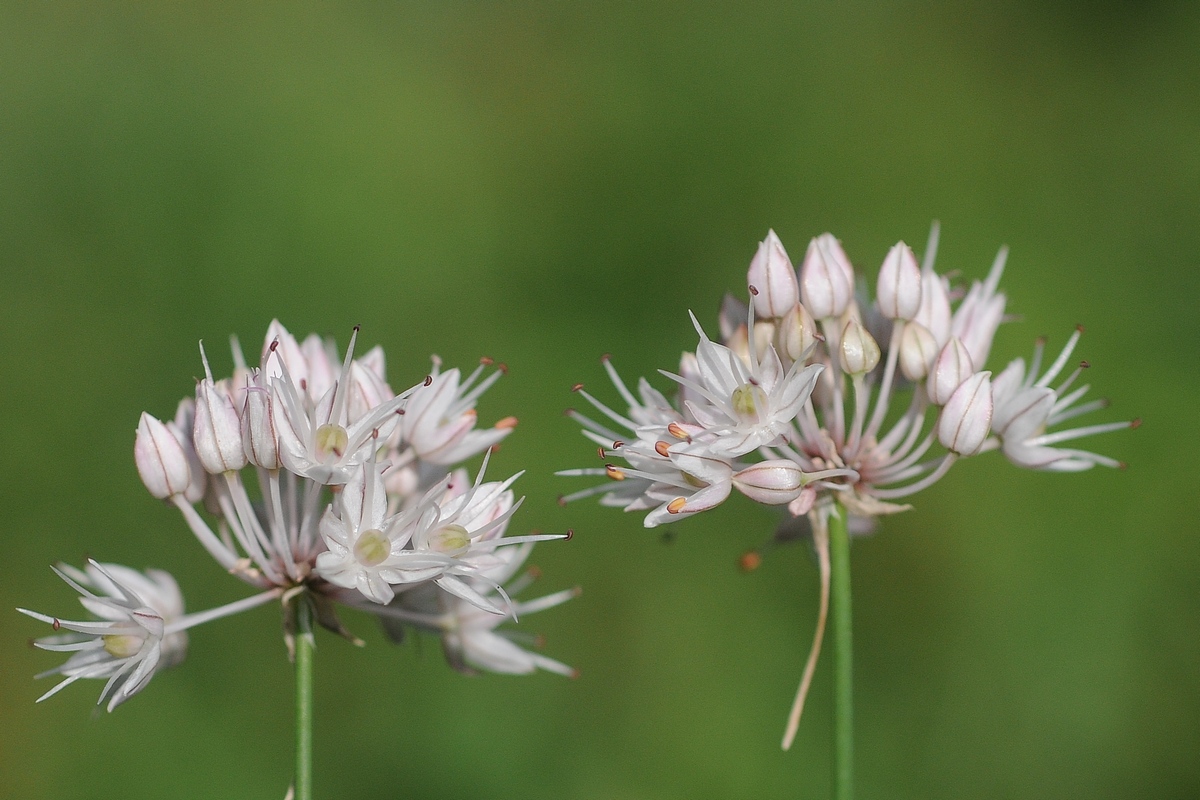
(312, 481)
(797, 404)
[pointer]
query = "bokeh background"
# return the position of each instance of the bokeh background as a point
(545, 183)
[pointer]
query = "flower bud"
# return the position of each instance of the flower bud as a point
(797, 333)
(323, 365)
(285, 354)
(182, 426)
(967, 417)
(218, 431)
(918, 349)
(826, 278)
(259, 441)
(161, 459)
(952, 367)
(771, 482)
(859, 350)
(774, 278)
(934, 313)
(898, 290)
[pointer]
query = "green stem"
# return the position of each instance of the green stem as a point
(304, 699)
(843, 661)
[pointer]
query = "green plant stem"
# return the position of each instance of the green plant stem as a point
(304, 699)
(843, 661)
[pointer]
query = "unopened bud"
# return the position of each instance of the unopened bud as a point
(797, 333)
(772, 274)
(161, 459)
(258, 430)
(967, 417)
(773, 482)
(898, 290)
(826, 278)
(934, 312)
(860, 352)
(951, 368)
(218, 431)
(918, 349)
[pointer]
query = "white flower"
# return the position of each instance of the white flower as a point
(1026, 407)
(368, 550)
(439, 420)
(129, 641)
(744, 406)
(471, 637)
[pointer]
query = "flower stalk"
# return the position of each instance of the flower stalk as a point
(843, 672)
(304, 698)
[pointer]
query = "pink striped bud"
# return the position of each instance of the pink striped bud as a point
(774, 279)
(966, 419)
(951, 368)
(826, 278)
(161, 459)
(771, 482)
(898, 290)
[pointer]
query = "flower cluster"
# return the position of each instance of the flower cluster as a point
(818, 396)
(314, 482)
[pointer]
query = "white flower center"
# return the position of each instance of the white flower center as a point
(749, 403)
(372, 548)
(331, 440)
(122, 645)
(452, 540)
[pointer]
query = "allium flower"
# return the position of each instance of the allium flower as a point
(471, 638)
(311, 480)
(834, 398)
(138, 630)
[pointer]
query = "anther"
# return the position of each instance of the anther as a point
(1136, 423)
(507, 423)
(676, 430)
(617, 444)
(1084, 365)
(486, 361)
(428, 380)
(753, 290)
(676, 505)
(534, 572)
(1079, 328)
(616, 473)
(604, 359)
(570, 535)
(56, 624)
(750, 561)
(603, 453)
(357, 328)
(503, 368)
(662, 448)
(577, 387)
(562, 501)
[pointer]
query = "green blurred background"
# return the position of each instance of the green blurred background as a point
(544, 184)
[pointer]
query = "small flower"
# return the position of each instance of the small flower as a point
(471, 637)
(744, 406)
(439, 420)
(1026, 407)
(129, 641)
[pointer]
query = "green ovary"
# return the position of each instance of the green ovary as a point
(749, 403)
(452, 540)
(372, 548)
(122, 645)
(331, 440)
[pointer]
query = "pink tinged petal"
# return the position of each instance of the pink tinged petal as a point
(161, 459)
(826, 278)
(797, 388)
(771, 482)
(697, 460)
(259, 439)
(322, 367)
(217, 434)
(374, 361)
(952, 367)
(918, 349)
(859, 350)
(773, 277)
(796, 333)
(803, 502)
(182, 426)
(966, 419)
(1024, 416)
(286, 354)
(898, 290)
(934, 313)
